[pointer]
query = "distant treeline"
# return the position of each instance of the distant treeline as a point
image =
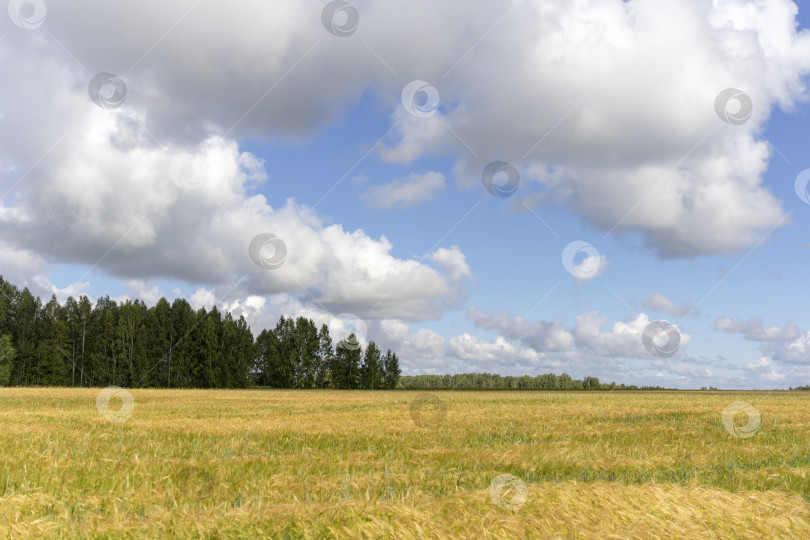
(173, 346)
(491, 381)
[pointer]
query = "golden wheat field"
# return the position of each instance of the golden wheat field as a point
(343, 464)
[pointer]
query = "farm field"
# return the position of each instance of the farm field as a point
(396, 464)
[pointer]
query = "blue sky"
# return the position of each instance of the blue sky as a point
(285, 125)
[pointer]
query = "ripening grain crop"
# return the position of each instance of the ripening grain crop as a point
(314, 464)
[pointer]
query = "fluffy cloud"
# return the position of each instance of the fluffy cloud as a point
(617, 98)
(422, 351)
(660, 302)
(159, 188)
(623, 340)
(796, 352)
(149, 293)
(540, 335)
(104, 197)
(412, 190)
(452, 261)
(490, 356)
(22, 267)
(627, 123)
(754, 330)
(522, 347)
(763, 369)
(786, 346)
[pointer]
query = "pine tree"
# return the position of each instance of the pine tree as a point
(211, 330)
(266, 357)
(391, 371)
(326, 359)
(306, 345)
(284, 375)
(372, 370)
(84, 311)
(242, 361)
(7, 354)
(158, 347)
(25, 310)
(180, 359)
(347, 362)
(59, 343)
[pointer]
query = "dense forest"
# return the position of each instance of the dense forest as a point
(170, 345)
(491, 381)
(79, 343)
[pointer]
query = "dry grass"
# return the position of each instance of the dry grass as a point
(311, 464)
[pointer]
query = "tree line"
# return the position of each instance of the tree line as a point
(80, 343)
(492, 381)
(170, 345)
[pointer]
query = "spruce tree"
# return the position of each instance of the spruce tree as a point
(372, 369)
(391, 371)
